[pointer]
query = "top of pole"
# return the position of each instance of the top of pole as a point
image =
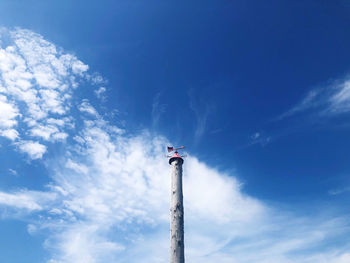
(176, 155)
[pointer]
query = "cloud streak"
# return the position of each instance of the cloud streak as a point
(201, 111)
(158, 109)
(328, 101)
(37, 80)
(29, 201)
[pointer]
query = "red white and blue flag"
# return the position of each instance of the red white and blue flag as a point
(170, 149)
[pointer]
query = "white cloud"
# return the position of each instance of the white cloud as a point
(13, 172)
(214, 196)
(79, 67)
(22, 200)
(11, 134)
(158, 109)
(201, 109)
(311, 100)
(60, 136)
(112, 201)
(79, 168)
(35, 150)
(100, 93)
(31, 229)
(259, 138)
(43, 132)
(328, 101)
(339, 191)
(58, 122)
(344, 258)
(340, 100)
(118, 187)
(255, 136)
(41, 78)
(84, 244)
(8, 113)
(85, 106)
(8, 118)
(97, 79)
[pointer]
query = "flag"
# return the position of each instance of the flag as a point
(170, 149)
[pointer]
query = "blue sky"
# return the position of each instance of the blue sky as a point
(91, 93)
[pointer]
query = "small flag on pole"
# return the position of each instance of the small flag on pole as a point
(170, 149)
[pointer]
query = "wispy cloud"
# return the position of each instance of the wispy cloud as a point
(40, 77)
(26, 200)
(34, 150)
(158, 109)
(13, 172)
(310, 101)
(339, 102)
(8, 118)
(86, 107)
(201, 110)
(258, 138)
(100, 93)
(339, 191)
(328, 101)
(319, 106)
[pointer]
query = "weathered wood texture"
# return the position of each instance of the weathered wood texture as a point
(177, 253)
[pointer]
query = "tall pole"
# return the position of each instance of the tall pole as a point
(177, 253)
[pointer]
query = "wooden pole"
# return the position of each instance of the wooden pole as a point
(177, 253)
